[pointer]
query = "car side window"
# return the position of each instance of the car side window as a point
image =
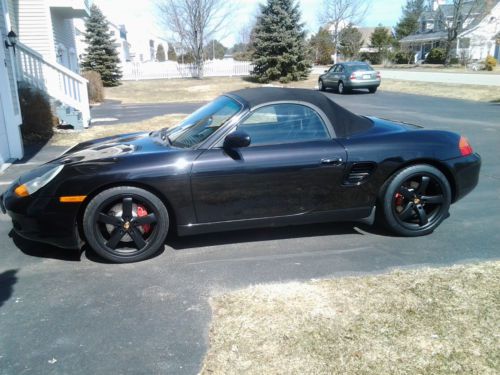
(284, 123)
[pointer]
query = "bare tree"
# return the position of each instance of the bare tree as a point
(464, 12)
(337, 14)
(194, 23)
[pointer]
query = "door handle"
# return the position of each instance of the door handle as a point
(333, 161)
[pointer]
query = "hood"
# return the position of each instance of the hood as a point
(114, 147)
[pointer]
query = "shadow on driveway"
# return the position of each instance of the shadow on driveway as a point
(41, 250)
(7, 281)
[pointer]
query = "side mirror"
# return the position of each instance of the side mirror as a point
(237, 139)
(326, 71)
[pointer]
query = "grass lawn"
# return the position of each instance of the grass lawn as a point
(427, 321)
(192, 90)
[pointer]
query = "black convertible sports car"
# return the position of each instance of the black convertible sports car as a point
(251, 158)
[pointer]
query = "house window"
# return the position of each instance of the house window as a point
(464, 43)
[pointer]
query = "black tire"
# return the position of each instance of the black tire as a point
(321, 85)
(372, 90)
(132, 235)
(414, 201)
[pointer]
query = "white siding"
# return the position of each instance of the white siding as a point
(482, 37)
(35, 28)
(10, 137)
(9, 58)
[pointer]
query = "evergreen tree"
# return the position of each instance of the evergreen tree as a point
(279, 42)
(172, 56)
(322, 47)
(350, 42)
(408, 23)
(101, 55)
(160, 53)
(381, 39)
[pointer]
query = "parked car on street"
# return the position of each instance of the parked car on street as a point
(346, 76)
(250, 158)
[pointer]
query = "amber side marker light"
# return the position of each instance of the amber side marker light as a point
(464, 146)
(21, 191)
(72, 199)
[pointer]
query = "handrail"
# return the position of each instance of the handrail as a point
(53, 65)
(59, 82)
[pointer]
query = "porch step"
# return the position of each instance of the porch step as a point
(69, 116)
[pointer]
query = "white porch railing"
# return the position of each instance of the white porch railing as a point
(60, 83)
(170, 69)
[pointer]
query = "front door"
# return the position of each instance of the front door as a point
(291, 167)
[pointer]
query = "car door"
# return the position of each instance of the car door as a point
(292, 166)
(328, 78)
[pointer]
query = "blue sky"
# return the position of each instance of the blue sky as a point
(140, 17)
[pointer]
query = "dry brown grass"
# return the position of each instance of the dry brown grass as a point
(155, 123)
(185, 90)
(192, 90)
(428, 321)
(453, 91)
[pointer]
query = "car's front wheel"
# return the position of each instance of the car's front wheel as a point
(126, 224)
(415, 201)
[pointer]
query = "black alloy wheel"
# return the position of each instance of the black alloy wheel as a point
(126, 224)
(416, 200)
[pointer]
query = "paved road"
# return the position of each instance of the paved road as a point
(466, 78)
(62, 312)
(113, 112)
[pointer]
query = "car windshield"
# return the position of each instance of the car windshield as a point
(198, 126)
(358, 67)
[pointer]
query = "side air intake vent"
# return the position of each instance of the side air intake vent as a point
(359, 173)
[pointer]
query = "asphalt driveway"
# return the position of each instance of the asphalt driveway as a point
(63, 312)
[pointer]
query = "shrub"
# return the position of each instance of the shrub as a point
(95, 86)
(436, 56)
(490, 63)
(373, 58)
(36, 111)
(404, 57)
(454, 61)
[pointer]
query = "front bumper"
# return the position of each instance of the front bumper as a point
(465, 172)
(42, 219)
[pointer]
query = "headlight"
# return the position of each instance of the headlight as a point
(32, 186)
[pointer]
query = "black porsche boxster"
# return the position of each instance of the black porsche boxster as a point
(250, 158)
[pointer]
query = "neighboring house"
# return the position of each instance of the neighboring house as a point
(144, 48)
(478, 35)
(118, 32)
(366, 33)
(46, 59)
(11, 145)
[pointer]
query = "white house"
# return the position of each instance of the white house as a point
(45, 58)
(11, 146)
(478, 35)
(118, 32)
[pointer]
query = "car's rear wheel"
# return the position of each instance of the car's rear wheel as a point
(372, 90)
(415, 201)
(126, 224)
(321, 85)
(341, 88)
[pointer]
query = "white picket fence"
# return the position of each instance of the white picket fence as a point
(170, 69)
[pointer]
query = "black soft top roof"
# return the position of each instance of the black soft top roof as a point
(344, 122)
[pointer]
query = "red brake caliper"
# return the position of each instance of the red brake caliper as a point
(398, 199)
(141, 211)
